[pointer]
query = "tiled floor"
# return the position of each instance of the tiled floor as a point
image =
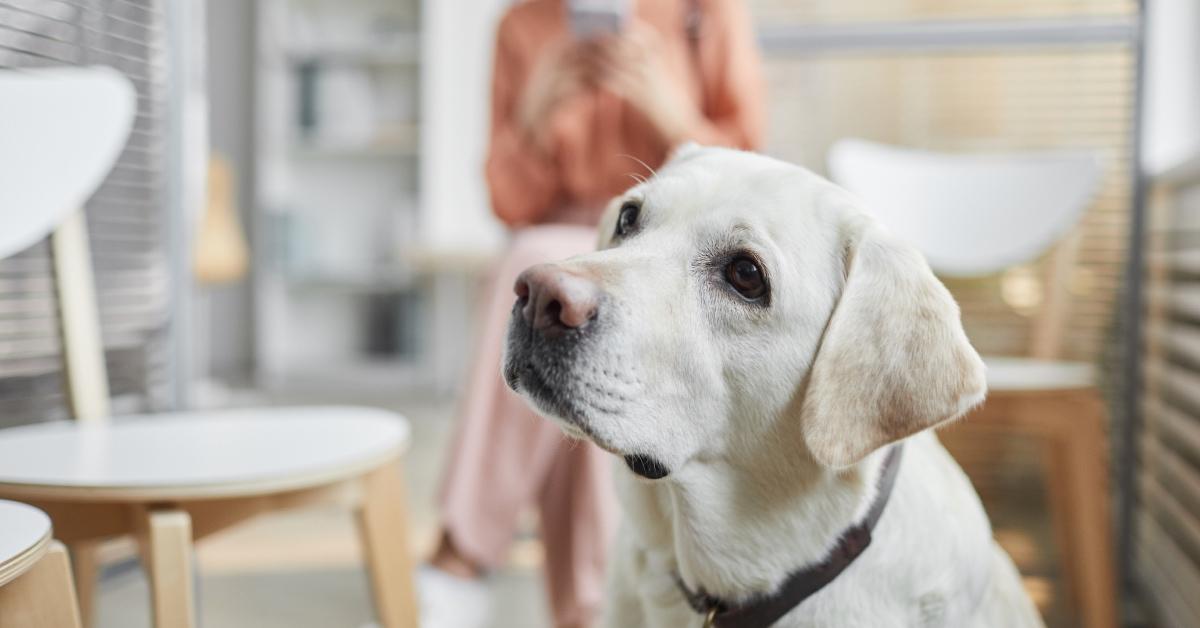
(303, 569)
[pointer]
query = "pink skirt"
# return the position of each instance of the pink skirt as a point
(505, 458)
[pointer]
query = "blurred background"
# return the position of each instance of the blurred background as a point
(300, 217)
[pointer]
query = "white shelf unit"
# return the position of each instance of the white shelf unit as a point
(337, 199)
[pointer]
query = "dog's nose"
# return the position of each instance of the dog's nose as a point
(554, 299)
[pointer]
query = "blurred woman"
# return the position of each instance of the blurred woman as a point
(573, 121)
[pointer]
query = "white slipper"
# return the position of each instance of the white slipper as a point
(448, 601)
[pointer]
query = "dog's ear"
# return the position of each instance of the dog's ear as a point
(683, 152)
(894, 359)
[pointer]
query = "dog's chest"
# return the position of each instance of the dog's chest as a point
(647, 580)
(853, 608)
(931, 610)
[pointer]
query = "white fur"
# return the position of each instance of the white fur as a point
(773, 421)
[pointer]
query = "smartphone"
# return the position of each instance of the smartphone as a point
(592, 19)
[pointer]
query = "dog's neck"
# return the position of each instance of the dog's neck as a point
(737, 529)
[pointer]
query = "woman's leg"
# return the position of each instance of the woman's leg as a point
(502, 454)
(579, 509)
(500, 460)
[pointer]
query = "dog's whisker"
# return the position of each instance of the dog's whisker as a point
(652, 171)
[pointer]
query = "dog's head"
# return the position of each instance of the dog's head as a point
(732, 294)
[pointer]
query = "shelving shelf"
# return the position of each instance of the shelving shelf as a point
(391, 142)
(379, 281)
(382, 57)
(338, 147)
(387, 150)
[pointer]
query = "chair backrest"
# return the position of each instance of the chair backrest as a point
(979, 214)
(971, 215)
(61, 130)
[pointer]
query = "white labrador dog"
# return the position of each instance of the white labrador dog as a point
(755, 346)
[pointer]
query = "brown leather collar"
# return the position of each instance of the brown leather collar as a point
(761, 612)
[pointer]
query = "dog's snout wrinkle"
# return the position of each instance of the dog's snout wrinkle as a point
(553, 300)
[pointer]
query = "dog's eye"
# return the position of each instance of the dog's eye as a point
(627, 219)
(746, 277)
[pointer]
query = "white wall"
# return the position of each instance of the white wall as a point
(457, 41)
(457, 44)
(1171, 128)
(225, 319)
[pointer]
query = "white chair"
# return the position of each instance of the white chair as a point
(165, 479)
(35, 574)
(977, 215)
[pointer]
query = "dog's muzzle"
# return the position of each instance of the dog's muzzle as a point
(553, 320)
(556, 319)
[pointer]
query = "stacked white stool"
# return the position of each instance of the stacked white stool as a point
(35, 576)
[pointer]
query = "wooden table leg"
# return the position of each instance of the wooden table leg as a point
(383, 527)
(44, 596)
(166, 541)
(87, 570)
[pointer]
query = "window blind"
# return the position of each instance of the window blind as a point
(1167, 524)
(125, 216)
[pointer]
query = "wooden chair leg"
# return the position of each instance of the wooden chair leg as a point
(1058, 496)
(1086, 482)
(166, 542)
(44, 596)
(383, 527)
(87, 570)
(1071, 424)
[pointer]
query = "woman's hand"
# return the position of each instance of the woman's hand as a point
(631, 66)
(558, 74)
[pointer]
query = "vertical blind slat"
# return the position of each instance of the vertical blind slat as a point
(1167, 551)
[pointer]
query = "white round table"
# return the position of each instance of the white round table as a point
(172, 478)
(195, 455)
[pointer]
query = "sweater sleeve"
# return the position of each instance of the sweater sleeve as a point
(732, 77)
(524, 184)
